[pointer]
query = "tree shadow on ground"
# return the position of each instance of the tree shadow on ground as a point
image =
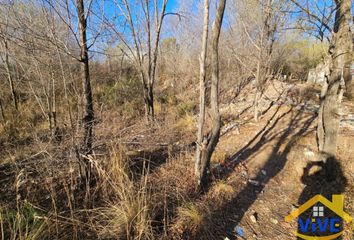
(230, 214)
(323, 177)
(264, 136)
(151, 159)
(232, 123)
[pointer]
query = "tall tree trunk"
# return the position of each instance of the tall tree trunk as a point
(85, 69)
(208, 144)
(340, 52)
(201, 145)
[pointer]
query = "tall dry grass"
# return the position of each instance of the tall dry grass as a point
(25, 223)
(127, 212)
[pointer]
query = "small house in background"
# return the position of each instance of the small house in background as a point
(317, 74)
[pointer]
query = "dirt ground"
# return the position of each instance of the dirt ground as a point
(268, 160)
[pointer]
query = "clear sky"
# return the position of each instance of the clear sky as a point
(172, 5)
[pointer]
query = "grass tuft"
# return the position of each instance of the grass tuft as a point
(128, 213)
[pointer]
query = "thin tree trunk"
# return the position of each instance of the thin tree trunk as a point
(148, 96)
(258, 90)
(87, 91)
(68, 105)
(9, 76)
(149, 101)
(86, 169)
(201, 145)
(341, 52)
(54, 107)
(208, 145)
(47, 93)
(159, 22)
(46, 109)
(148, 86)
(147, 75)
(2, 111)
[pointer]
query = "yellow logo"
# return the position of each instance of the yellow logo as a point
(320, 219)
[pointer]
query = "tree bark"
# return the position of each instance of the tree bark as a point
(208, 144)
(53, 106)
(2, 111)
(201, 145)
(149, 102)
(152, 55)
(340, 53)
(86, 168)
(85, 71)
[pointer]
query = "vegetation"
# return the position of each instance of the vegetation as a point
(171, 119)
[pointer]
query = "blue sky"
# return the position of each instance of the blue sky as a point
(172, 5)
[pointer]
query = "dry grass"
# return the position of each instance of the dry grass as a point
(155, 204)
(219, 157)
(186, 123)
(121, 205)
(192, 222)
(222, 190)
(24, 224)
(127, 214)
(191, 215)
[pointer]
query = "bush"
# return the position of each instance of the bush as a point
(124, 95)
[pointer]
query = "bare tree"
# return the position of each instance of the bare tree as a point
(45, 88)
(265, 49)
(143, 48)
(315, 18)
(85, 71)
(207, 143)
(255, 31)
